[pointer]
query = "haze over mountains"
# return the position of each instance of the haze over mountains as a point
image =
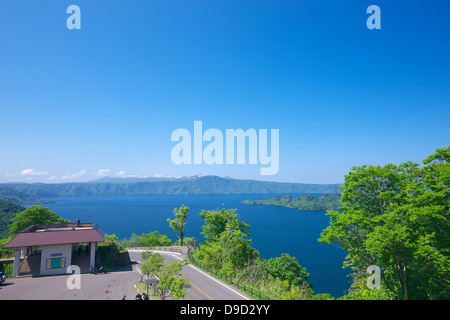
(142, 185)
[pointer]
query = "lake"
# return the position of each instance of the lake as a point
(274, 230)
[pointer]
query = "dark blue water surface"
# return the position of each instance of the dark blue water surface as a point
(274, 230)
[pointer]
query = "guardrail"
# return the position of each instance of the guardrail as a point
(192, 260)
(239, 285)
(157, 249)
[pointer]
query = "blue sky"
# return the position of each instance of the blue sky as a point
(76, 105)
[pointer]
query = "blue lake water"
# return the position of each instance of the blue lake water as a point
(274, 230)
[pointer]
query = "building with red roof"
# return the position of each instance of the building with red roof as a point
(57, 243)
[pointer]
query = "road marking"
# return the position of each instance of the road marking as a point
(212, 278)
(222, 284)
(200, 291)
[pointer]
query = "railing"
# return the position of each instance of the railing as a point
(157, 249)
(228, 279)
(194, 261)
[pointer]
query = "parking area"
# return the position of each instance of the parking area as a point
(110, 286)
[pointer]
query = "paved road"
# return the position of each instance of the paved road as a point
(110, 286)
(203, 286)
(114, 285)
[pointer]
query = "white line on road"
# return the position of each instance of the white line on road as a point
(219, 282)
(212, 278)
(195, 268)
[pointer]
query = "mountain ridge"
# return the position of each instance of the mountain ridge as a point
(200, 184)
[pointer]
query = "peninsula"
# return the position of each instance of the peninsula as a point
(303, 202)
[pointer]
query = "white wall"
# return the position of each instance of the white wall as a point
(56, 251)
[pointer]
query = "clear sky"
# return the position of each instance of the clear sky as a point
(76, 105)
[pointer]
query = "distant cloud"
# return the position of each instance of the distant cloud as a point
(102, 172)
(123, 174)
(72, 176)
(52, 178)
(10, 174)
(170, 176)
(31, 172)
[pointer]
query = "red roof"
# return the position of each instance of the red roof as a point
(44, 238)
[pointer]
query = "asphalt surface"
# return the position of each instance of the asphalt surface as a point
(203, 286)
(110, 286)
(114, 285)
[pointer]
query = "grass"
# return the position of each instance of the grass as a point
(141, 287)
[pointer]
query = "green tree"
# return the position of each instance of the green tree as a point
(287, 268)
(396, 217)
(7, 211)
(111, 239)
(171, 281)
(179, 222)
(35, 215)
(302, 291)
(168, 274)
(217, 222)
(152, 263)
(228, 245)
(151, 239)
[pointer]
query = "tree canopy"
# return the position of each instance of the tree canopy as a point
(287, 268)
(7, 211)
(179, 222)
(396, 217)
(167, 273)
(151, 239)
(35, 215)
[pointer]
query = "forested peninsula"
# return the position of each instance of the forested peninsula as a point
(303, 202)
(20, 198)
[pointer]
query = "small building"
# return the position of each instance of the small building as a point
(55, 245)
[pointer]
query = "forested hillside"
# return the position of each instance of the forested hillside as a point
(303, 202)
(7, 211)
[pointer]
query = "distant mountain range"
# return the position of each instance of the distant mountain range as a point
(11, 195)
(201, 184)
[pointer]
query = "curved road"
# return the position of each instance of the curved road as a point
(203, 286)
(115, 284)
(110, 286)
